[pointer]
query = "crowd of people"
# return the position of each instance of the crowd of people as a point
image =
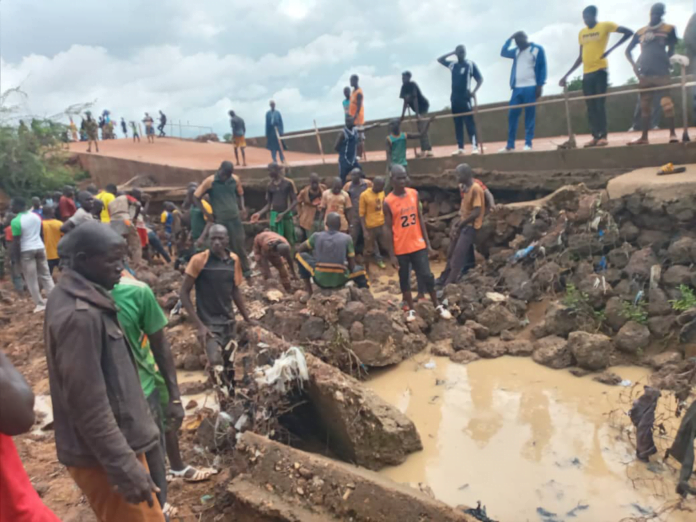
(90, 128)
(116, 401)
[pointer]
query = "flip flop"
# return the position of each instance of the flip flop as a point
(199, 475)
(639, 141)
(169, 511)
(673, 139)
(589, 144)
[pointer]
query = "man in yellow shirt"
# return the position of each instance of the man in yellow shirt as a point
(51, 235)
(371, 208)
(593, 41)
(106, 197)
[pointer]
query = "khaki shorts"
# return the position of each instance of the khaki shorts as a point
(239, 142)
(375, 237)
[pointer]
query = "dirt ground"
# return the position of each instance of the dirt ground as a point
(195, 155)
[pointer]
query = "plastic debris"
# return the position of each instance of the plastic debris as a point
(289, 367)
(430, 365)
(625, 383)
(496, 297)
(524, 252)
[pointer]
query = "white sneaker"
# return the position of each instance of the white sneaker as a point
(410, 316)
(458, 152)
(527, 147)
(444, 313)
(39, 309)
(505, 149)
(429, 154)
(476, 150)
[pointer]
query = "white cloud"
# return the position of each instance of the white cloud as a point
(199, 59)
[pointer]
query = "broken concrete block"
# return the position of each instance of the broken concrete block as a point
(591, 351)
(362, 427)
(270, 487)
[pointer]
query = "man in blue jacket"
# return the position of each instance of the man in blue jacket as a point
(527, 81)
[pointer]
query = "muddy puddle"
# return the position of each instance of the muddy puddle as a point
(527, 441)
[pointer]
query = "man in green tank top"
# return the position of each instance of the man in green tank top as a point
(226, 195)
(396, 143)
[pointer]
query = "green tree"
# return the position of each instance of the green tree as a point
(575, 84)
(227, 138)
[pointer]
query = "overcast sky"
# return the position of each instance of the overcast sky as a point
(195, 60)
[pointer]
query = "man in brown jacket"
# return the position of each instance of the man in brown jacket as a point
(102, 423)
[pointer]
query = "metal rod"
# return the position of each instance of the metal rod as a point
(415, 148)
(479, 139)
(685, 108)
(571, 136)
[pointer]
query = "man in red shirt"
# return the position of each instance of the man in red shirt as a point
(19, 502)
(66, 205)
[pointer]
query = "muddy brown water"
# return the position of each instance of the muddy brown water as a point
(522, 438)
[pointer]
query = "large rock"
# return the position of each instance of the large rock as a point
(661, 325)
(552, 351)
(285, 323)
(591, 351)
(497, 318)
(677, 275)
(491, 348)
(654, 239)
(629, 231)
(619, 257)
(352, 312)
(362, 427)
(614, 312)
(519, 347)
(682, 251)
(632, 337)
(640, 263)
(560, 320)
(480, 331)
(464, 339)
(277, 483)
(658, 304)
(464, 357)
(659, 360)
(596, 289)
(518, 282)
(443, 330)
(377, 326)
(547, 277)
(313, 329)
(376, 354)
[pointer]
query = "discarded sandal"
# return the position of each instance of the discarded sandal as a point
(670, 169)
(191, 474)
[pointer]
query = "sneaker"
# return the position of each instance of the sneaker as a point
(527, 147)
(39, 309)
(410, 316)
(381, 264)
(444, 313)
(429, 154)
(505, 149)
(476, 150)
(458, 152)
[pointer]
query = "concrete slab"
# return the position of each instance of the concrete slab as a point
(660, 187)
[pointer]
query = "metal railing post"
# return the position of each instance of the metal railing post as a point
(571, 137)
(685, 108)
(321, 147)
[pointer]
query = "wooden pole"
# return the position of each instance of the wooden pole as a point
(280, 144)
(321, 147)
(685, 108)
(479, 138)
(571, 137)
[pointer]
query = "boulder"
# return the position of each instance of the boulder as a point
(619, 257)
(612, 276)
(614, 312)
(547, 277)
(491, 349)
(376, 354)
(357, 332)
(629, 231)
(518, 282)
(654, 239)
(519, 347)
(426, 311)
(192, 362)
(661, 325)
(328, 303)
(677, 275)
(632, 337)
(313, 329)
(552, 351)
(464, 338)
(376, 323)
(591, 351)
(480, 331)
(640, 263)
(681, 252)
(658, 304)
(507, 335)
(354, 311)
(464, 357)
(442, 349)
(285, 323)
(560, 320)
(362, 427)
(659, 360)
(442, 330)
(497, 318)
(596, 289)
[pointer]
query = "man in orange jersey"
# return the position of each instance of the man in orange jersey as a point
(408, 241)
